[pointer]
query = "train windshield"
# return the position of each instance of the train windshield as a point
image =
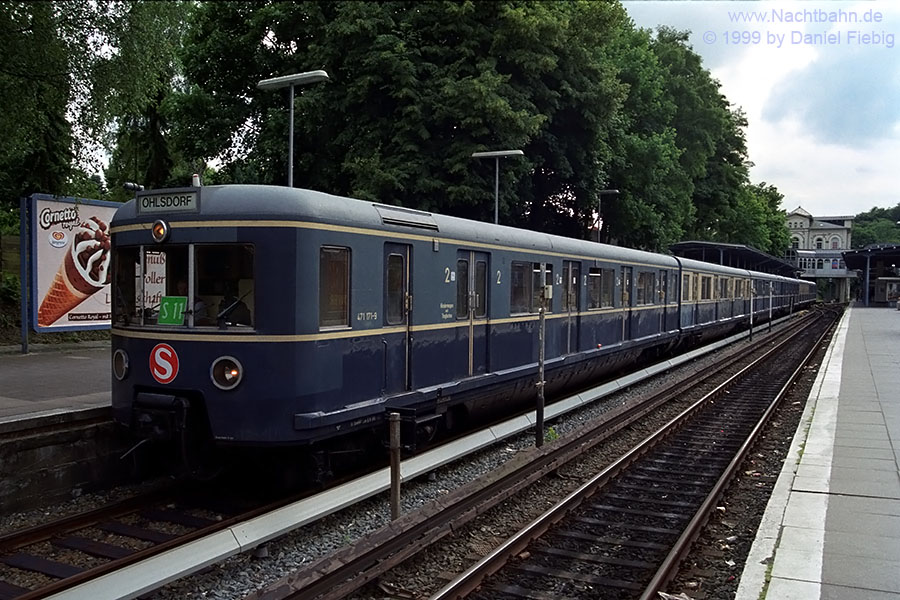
(191, 285)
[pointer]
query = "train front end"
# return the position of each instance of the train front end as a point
(190, 364)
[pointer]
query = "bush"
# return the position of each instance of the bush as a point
(9, 288)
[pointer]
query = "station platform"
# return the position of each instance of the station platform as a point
(832, 526)
(64, 382)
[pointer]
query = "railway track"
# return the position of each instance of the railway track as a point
(624, 533)
(61, 555)
(341, 574)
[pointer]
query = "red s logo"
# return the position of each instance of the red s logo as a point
(163, 363)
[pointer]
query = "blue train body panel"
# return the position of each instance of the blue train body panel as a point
(352, 308)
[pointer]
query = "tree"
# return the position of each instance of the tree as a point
(877, 226)
(654, 204)
(68, 69)
(423, 85)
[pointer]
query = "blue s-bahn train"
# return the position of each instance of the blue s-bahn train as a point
(271, 316)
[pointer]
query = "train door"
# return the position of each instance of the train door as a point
(663, 300)
(472, 270)
(571, 275)
(626, 302)
(398, 317)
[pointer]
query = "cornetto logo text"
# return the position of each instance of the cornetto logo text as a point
(67, 218)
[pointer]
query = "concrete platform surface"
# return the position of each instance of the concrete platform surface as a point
(70, 378)
(832, 527)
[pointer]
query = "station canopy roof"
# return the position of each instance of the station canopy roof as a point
(734, 255)
(856, 259)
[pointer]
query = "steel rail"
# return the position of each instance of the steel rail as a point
(348, 570)
(553, 457)
(670, 564)
(473, 577)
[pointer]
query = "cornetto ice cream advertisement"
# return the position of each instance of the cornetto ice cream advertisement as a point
(70, 262)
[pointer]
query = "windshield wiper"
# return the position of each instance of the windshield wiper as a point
(223, 314)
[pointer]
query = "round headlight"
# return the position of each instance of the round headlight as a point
(160, 231)
(120, 364)
(226, 372)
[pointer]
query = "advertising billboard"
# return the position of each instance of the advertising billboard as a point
(70, 263)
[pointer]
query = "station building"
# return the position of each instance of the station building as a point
(817, 251)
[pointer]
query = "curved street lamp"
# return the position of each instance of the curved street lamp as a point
(497, 155)
(599, 215)
(290, 81)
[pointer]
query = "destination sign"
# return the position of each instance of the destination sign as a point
(168, 203)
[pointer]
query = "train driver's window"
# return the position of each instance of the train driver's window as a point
(334, 287)
(126, 266)
(225, 282)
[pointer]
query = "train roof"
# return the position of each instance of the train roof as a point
(251, 203)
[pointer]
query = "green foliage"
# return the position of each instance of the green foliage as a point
(877, 226)
(68, 69)
(9, 288)
(9, 219)
(551, 434)
(414, 89)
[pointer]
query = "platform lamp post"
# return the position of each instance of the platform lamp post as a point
(599, 206)
(291, 81)
(497, 155)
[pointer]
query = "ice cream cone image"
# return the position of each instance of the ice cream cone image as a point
(83, 272)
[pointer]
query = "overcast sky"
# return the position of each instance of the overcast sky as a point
(820, 91)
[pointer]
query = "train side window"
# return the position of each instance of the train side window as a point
(601, 285)
(706, 289)
(570, 277)
(608, 287)
(520, 287)
(646, 287)
(480, 289)
(626, 286)
(334, 287)
(395, 275)
(723, 287)
(595, 283)
(462, 289)
(686, 287)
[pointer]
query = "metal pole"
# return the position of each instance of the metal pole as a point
(291, 142)
(394, 426)
(539, 411)
(24, 228)
(868, 257)
(752, 293)
(496, 189)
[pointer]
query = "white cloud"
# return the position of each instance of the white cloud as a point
(823, 112)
